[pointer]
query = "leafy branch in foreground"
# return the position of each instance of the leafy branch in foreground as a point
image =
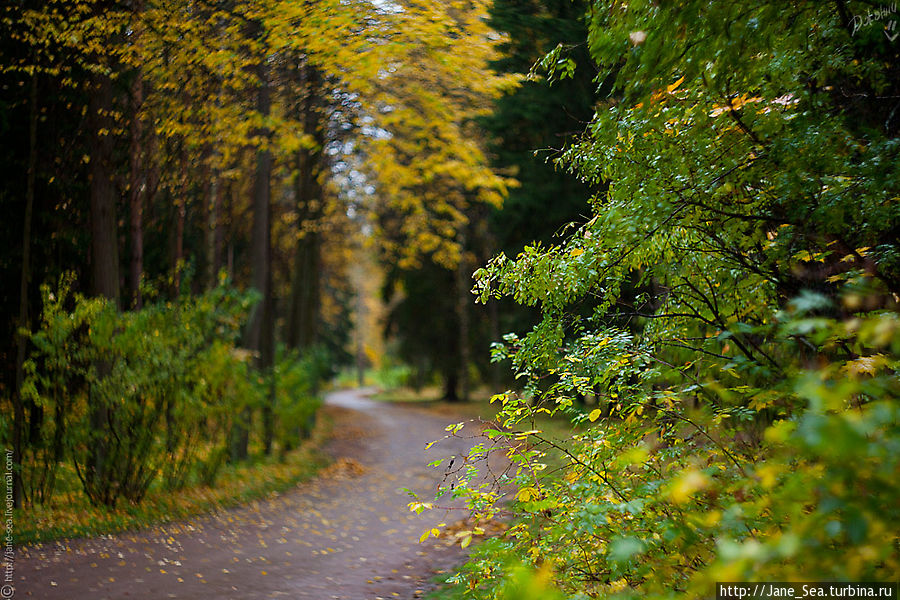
(728, 314)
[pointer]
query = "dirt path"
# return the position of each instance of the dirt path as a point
(348, 534)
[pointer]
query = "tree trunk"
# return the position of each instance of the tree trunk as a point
(137, 192)
(260, 329)
(303, 315)
(104, 236)
(462, 315)
(23, 323)
(104, 249)
(451, 381)
(180, 216)
(211, 208)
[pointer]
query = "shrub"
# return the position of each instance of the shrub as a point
(128, 397)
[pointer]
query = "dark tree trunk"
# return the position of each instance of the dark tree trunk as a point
(24, 320)
(104, 236)
(260, 329)
(211, 209)
(180, 217)
(305, 293)
(303, 315)
(137, 192)
(104, 248)
(462, 315)
(451, 386)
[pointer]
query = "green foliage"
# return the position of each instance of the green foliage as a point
(131, 398)
(296, 380)
(675, 496)
(730, 312)
(531, 123)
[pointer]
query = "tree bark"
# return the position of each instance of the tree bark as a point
(303, 315)
(104, 236)
(259, 336)
(23, 322)
(137, 192)
(211, 209)
(462, 315)
(104, 248)
(180, 216)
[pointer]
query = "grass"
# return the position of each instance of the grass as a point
(427, 394)
(72, 516)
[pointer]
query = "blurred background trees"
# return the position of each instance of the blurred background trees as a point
(158, 151)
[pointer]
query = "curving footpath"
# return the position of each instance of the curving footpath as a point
(349, 535)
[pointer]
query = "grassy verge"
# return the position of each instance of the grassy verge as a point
(406, 394)
(72, 516)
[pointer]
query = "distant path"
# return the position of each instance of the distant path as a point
(346, 535)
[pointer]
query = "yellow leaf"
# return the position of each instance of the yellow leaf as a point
(674, 86)
(869, 365)
(595, 414)
(687, 484)
(526, 494)
(768, 475)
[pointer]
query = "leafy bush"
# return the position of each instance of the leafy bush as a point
(129, 397)
(671, 499)
(296, 402)
(731, 306)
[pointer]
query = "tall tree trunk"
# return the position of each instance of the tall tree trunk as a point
(211, 208)
(303, 310)
(180, 216)
(104, 236)
(451, 385)
(496, 336)
(137, 192)
(260, 329)
(462, 315)
(23, 322)
(138, 175)
(305, 293)
(104, 250)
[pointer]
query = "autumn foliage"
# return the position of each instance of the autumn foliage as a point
(723, 331)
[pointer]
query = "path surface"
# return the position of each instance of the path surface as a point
(349, 535)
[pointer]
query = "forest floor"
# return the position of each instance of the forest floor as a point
(348, 534)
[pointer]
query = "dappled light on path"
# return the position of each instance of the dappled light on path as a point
(348, 534)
